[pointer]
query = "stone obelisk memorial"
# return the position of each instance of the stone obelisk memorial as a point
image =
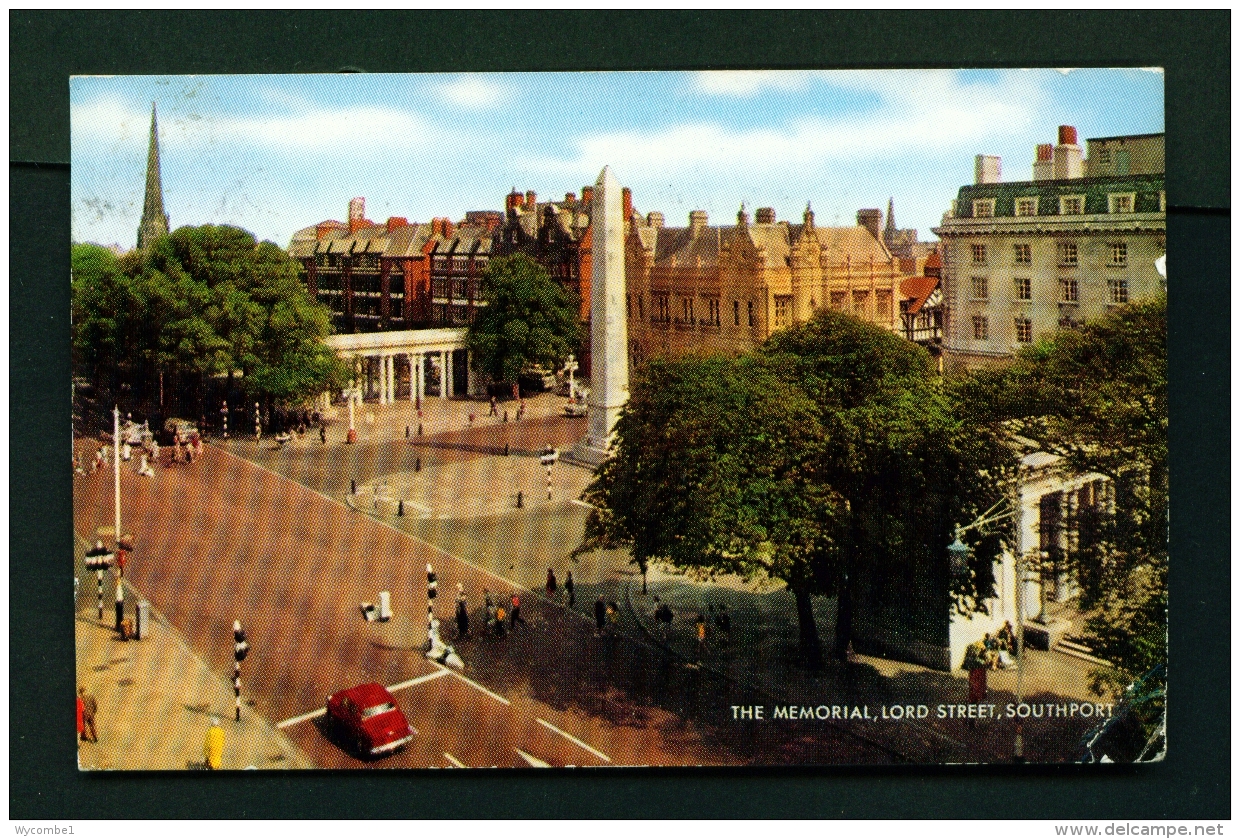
(609, 334)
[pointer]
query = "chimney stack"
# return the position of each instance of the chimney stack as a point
(397, 222)
(531, 199)
(698, 220)
(871, 220)
(513, 201)
(654, 219)
(448, 228)
(570, 197)
(766, 215)
(627, 198)
(987, 169)
(1044, 162)
(587, 194)
(357, 213)
(1069, 161)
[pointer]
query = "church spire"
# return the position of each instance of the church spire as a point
(890, 229)
(154, 220)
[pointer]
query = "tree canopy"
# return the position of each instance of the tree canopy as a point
(200, 302)
(1097, 397)
(528, 320)
(830, 448)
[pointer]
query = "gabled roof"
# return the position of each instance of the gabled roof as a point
(917, 290)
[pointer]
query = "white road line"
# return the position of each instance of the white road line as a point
(297, 720)
(454, 761)
(472, 684)
(533, 761)
(291, 721)
(419, 680)
(585, 746)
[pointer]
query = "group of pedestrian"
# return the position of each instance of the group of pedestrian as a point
(606, 614)
(503, 615)
(570, 587)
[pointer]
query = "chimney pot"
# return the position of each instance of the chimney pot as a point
(1067, 135)
(531, 198)
(766, 215)
(698, 219)
(570, 197)
(397, 222)
(587, 194)
(627, 197)
(654, 219)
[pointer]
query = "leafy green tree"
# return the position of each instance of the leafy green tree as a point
(1097, 397)
(528, 320)
(828, 456)
(200, 302)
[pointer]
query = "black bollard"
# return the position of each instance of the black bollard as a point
(406, 432)
(417, 465)
(352, 487)
(505, 450)
(419, 429)
(400, 507)
(520, 500)
(505, 416)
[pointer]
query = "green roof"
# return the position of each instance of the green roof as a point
(1095, 190)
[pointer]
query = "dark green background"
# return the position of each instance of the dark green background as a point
(46, 48)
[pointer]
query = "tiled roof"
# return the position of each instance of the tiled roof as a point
(917, 290)
(1095, 191)
(679, 247)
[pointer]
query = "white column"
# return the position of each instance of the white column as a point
(450, 357)
(391, 379)
(382, 379)
(420, 360)
(443, 374)
(469, 373)
(413, 376)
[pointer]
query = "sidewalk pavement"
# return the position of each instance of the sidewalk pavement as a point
(156, 698)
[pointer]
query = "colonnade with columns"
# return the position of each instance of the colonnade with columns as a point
(383, 381)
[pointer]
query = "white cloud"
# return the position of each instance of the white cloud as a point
(473, 92)
(747, 83)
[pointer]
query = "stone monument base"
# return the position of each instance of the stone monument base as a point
(589, 452)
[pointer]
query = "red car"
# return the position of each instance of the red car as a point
(368, 717)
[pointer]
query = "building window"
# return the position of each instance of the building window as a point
(979, 254)
(980, 288)
(1119, 291)
(750, 304)
(736, 313)
(1024, 330)
(1067, 253)
(1023, 288)
(1120, 203)
(783, 303)
(1119, 253)
(1068, 290)
(860, 303)
(1023, 254)
(882, 305)
(1026, 206)
(981, 329)
(984, 208)
(1104, 155)
(1071, 205)
(712, 311)
(686, 309)
(837, 300)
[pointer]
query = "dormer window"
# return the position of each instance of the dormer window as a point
(1120, 202)
(984, 208)
(1071, 205)
(1027, 206)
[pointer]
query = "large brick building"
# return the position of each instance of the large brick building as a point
(396, 275)
(723, 289)
(1026, 258)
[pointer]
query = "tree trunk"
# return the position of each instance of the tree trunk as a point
(843, 618)
(806, 623)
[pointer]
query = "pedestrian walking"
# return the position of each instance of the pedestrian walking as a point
(516, 611)
(701, 631)
(89, 707)
(600, 614)
(551, 584)
(213, 748)
(570, 589)
(81, 728)
(975, 662)
(462, 612)
(323, 434)
(494, 412)
(613, 614)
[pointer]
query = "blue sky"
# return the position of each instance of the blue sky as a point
(276, 153)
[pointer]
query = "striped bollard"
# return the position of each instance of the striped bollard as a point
(241, 648)
(432, 591)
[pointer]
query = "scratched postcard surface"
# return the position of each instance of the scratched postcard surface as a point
(613, 419)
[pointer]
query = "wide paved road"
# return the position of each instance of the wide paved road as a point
(225, 539)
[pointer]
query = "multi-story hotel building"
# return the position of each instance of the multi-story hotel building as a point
(1023, 259)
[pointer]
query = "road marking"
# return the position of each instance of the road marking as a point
(291, 721)
(583, 745)
(533, 761)
(297, 720)
(419, 680)
(472, 683)
(454, 761)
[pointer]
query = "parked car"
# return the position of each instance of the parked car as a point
(368, 718)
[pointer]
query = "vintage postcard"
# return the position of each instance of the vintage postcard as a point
(612, 419)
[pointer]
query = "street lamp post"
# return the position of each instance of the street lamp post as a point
(352, 393)
(570, 367)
